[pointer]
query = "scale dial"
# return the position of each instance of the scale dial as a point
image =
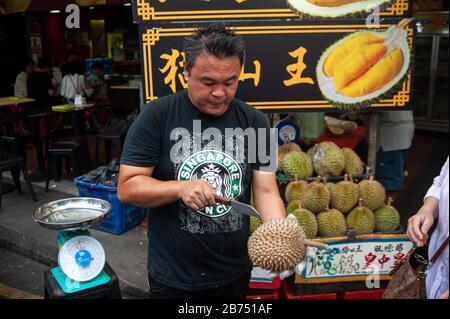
(81, 258)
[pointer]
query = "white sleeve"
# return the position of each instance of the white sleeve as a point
(63, 86)
(20, 87)
(435, 189)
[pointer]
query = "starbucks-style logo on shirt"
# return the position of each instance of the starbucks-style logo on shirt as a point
(219, 170)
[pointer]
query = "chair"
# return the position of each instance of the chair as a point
(108, 139)
(76, 152)
(14, 163)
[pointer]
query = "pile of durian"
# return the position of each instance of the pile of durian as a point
(325, 159)
(330, 210)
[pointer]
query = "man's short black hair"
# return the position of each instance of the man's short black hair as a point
(216, 39)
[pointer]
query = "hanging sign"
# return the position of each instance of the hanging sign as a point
(291, 67)
(154, 11)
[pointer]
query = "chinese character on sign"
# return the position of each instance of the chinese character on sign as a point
(399, 247)
(175, 61)
(296, 70)
(389, 248)
(383, 260)
(378, 249)
(397, 258)
(255, 76)
(370, 258)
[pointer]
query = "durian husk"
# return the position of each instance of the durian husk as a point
(353, 163)
(361, 220)
(328, 159)
(279, 245)
(345, 195)
(294, 190)
(372, 193)
(285, 149)
(331, 223)
(316, 197)
(387, 218)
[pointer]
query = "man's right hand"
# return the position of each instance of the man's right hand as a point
(197, 194)
(419, 224)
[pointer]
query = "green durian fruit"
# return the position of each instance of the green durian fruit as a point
(293, 205)
(387, 218)
(297, 164)
(294, 189)
(372, 193)
(316, 197)
(254, 223)
(361, 220)
(285, 149)
(330, 186)
(345, 195)
(353, 163)
(328, 160)
(307, 220)
(331, 223)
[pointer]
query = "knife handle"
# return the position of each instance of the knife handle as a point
(222, 200)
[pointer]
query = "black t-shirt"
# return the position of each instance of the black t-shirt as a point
(188, 249)
(38, 84)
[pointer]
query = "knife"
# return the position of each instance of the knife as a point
(237, 206)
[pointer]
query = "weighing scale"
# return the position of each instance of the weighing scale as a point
(81, 258)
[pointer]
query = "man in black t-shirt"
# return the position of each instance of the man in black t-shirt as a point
(183, 149)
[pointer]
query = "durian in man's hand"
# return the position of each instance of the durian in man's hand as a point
(279, 245)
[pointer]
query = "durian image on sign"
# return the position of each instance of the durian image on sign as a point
(336, 8)
(363, 67)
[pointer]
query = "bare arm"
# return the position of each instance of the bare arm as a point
(420, 223)
(136, 186)
(267, 197)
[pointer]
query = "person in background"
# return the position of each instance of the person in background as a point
(396, 135)
(73, 83)
(39, 84)
(435, 207)
(97, 81)
(20, 86)
(72, 56)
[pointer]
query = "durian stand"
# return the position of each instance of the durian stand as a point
(284, 73)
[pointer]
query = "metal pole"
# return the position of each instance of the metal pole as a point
(372, 138)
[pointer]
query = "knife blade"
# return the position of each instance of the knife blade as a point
(237, 206)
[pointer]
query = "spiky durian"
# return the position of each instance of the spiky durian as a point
(316, 197)
(297, 164)
(361, 220)
(328, 159)
(345, 195)
(285, 149)
(294, 189)
(278, 245)
(331, 223)
(387, 218)
(372, 193)
(254, 223)
(306, 219)
(353, 163)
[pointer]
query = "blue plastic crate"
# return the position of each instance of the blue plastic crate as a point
(121, 218)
